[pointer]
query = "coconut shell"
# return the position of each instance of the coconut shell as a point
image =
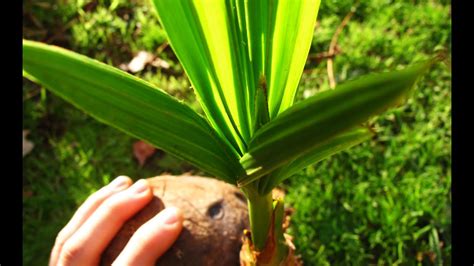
(215, 215)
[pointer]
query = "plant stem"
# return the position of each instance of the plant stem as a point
(268, 247)
(260, 214)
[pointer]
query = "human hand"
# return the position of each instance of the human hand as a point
(100, 217)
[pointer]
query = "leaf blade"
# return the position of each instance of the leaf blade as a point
(326, 149)
(131, 105)
(203, 38)
(229, 47)
(318, 118)
(289, 47)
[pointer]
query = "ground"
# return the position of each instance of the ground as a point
(384, 202)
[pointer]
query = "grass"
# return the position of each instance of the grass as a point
(384, 202)
(387, 201)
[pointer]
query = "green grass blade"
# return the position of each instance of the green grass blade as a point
(334, 145)
(207, 42)
(131, 105)
(319, 118)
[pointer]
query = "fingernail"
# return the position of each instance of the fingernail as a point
(170, 215)
(119, 183)
(139, 186)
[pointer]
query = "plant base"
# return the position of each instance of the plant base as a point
(249, 257)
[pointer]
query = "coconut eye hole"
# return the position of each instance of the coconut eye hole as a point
(216, 211)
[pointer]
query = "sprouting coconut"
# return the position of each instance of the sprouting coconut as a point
(244, 60)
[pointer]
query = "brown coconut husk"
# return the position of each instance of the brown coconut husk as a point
(215, 229)
(215, 215)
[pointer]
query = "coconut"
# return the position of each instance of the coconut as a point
(215, 216)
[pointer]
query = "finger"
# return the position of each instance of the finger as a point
(152, 239)
(86, 245)
(85, 210)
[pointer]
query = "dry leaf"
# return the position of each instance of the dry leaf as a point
(160, 63)
(139, 62)
(27, 145)
(123, 67)
(142, 151)
(432, 256)
(419, 256)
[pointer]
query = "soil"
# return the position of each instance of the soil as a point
(215, 217)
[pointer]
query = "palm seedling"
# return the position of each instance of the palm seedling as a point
(244, 60)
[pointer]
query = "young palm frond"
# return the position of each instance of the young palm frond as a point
(244, 60)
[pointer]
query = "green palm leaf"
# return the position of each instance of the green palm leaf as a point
(131, 105)
(315, 120)
(232, 48)
(288, 46)
(334, 145)
(202, 36)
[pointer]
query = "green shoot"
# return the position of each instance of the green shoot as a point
(244, 60)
